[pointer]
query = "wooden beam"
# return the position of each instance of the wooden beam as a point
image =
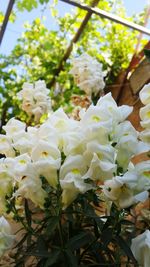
(6, 18)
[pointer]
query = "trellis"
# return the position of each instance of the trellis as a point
(90, 10)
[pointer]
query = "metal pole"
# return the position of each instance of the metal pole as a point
(6, 18)
(110, 16)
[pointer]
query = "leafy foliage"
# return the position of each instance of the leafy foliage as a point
(77, 236)
(38, 53)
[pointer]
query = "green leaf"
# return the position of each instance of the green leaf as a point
(43, 1)
(52, 224)
(72, 260)
(41, 244)
(106, 236)
(28, 213)
(80, 240)
(53, 257)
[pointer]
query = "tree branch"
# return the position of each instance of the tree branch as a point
(73, 41)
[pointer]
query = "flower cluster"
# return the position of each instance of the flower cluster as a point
(35, 99)
(88, 74)
(145, 113)
(95, 148)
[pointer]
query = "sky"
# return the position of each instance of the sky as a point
(13, 31)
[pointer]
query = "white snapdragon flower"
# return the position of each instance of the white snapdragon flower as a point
(118, 192)
(141, 248)
(13, 127)
(21, 166)
(145, 116)
(94, 114)
(121, 191)
(100, 170)
(145, 136)
(101, 161)
(71, 179)
(104, 152)
(125, 138)
(145, 94)
(35, 99)
(61, 124)
(96, 125)
(88, 74)
(30, 187)
(109, 107)
(6, 237)
(73, 142)
(138, 178)
(6, 146)
(23, 142)
(73, 164)
(47, 159)
(6, 180)
(142, 170)
(72, 185)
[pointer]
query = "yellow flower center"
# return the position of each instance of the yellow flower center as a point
(22, 161)
(95, 118)
(2, 140)
(148, 114)
(75, 171)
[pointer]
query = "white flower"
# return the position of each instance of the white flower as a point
(6, 146)
(95, 115)
(23, 142)
(6, 180)
(35, 99)
(21, 166)
(125, 138)
(6, 238)
(141, 248)
(145, 116)
(72, 185)
(71, 179)
(47, 132)
(47, 159)
(61, 124)
(145, 94)
(45, 150)
(145, 136)
(100, 170)
(142, 170)
(104, 152)
(88, 74)
(118, 192)
(73, 142)
(30, 187)
(96, 125)
(109, 107)
(73, 164)
(13, 127)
